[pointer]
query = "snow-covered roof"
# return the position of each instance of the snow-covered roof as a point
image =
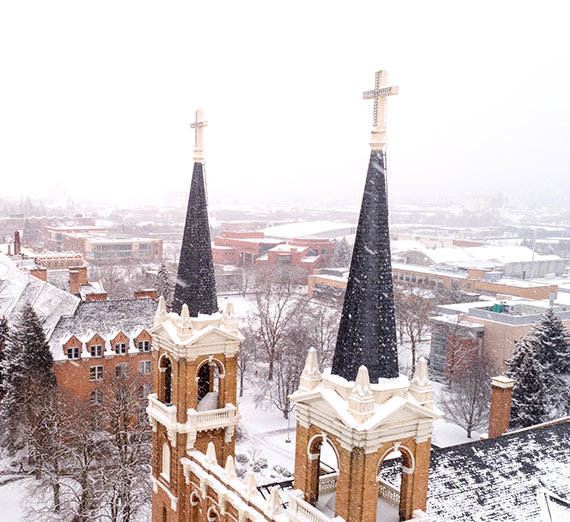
(310, 229)
(499, 254)
(500, 479)
(49, 303)
(105, 318)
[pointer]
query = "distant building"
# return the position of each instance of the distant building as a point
(513, 261)
(99, 248)
(241, 248)
(483, 282)
(54, 235)
(311, 229)
(57, 260)
(494, 325)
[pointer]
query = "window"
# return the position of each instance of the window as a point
(120, 348)
(121, 370)
(96, 397)
(144, 368)
(96, 373)
(96, 350)
(73, 352)
(144, 346)
(165, 472)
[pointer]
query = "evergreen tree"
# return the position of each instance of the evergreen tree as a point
(28, 377)
(342, 254)
(163, 285)
(3, 338)
(530, 396)
(552, 343)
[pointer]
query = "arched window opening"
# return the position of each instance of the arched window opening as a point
(165, 467)
(165, 369)
(324, 474)
(393, 474)
(208, 386)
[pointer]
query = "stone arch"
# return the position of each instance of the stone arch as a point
(209, 381)
(212, 514)
(165, 380)
(316, 468)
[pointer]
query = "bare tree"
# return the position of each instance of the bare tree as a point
(125, 486)
(322, 321)
(468, 399)
(247, 357)
(413, 306)
(274, 307)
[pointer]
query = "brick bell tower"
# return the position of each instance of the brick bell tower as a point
(363, 407)
(195, 363)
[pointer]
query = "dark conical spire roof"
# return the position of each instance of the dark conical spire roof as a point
(195, 284)
(367, 332)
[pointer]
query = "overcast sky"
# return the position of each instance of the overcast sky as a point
(96, 97)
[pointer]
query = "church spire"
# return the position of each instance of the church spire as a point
(195, 284)
(367, 332)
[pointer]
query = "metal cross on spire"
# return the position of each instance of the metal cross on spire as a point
(380, 92)
(199, 125)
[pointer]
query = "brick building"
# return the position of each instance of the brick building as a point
(241, 248)
(103, 339)
(89, 338)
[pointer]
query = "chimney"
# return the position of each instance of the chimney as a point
(146, 293)
(96, 296)
(17, 243)
(40, 273)
(74, 281)
(501, 395)
(82, 274)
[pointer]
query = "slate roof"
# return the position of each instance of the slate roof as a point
(502, 479)
(195, 283)
(105, 318)
(367, 330)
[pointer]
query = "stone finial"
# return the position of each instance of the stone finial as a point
(230, 468)
(184, 326)
(250, 485)
(160, 315)
(229, 320)
(420, 388)
(361, 400)
(274, 502)
(311, 376)
(211, 455)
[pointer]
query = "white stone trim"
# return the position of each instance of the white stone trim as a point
(173, 500)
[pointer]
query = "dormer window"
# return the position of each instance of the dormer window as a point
(144, 346)
(96, 350)
(73, 352)
(120, 348)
